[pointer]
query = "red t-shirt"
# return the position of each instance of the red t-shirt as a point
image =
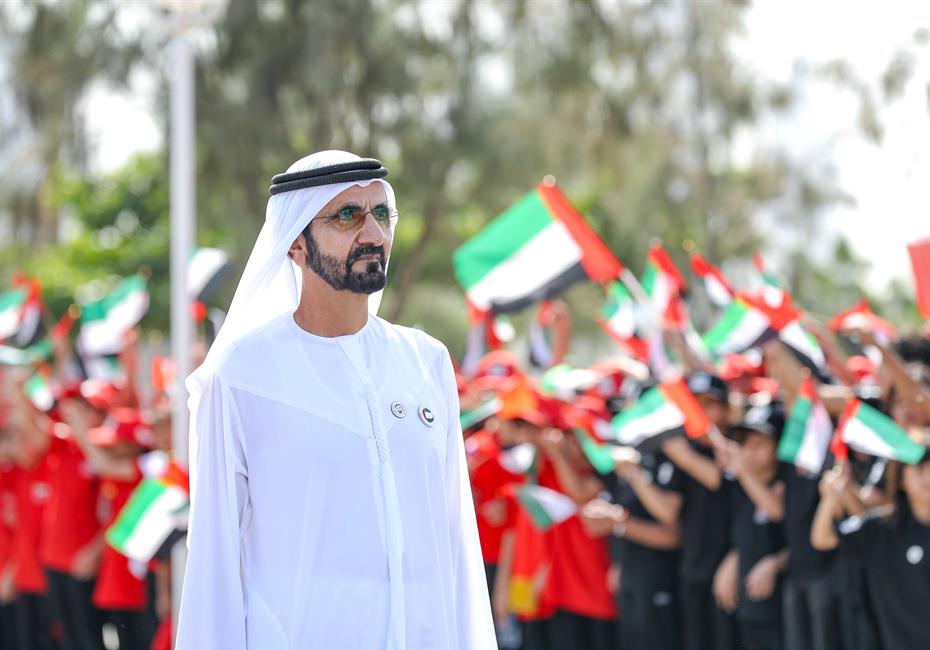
(488, 483)
(577, 578)
(117, 587)
(7, 516)
(531, 556)
(69, 521)
(32, 493)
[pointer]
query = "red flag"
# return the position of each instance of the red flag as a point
(920, 262)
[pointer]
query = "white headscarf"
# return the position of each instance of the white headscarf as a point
(270, 283)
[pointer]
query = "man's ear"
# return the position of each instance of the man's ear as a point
(297, 246)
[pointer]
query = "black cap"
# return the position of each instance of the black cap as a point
(704, 383)
(766, 419)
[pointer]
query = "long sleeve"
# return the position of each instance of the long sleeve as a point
(212, 612)
(474, 624)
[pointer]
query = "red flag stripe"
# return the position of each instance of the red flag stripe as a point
(659, 257)
(920, 263)
(852, 407)
(598, 262)
(696, 421)
(808, 390)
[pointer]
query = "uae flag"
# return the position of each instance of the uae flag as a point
(660, 413)
(741, 327)
(39, 390)
(867, 430)
(106, 368)
(546, 507)
(531, 252)
(807, 431)
(41, 351)
(804, 346)
(565, 382)
(618, 318)
(206, 270)
(861, 317)
(661, 281)
(20, 316)
(154, 510)
(772, 292)
(718, 289)
(105, 322)
(598, 454)
(479, 413)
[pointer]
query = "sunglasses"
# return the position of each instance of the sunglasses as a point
(352, 217)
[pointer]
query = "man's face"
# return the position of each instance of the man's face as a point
(349, 242)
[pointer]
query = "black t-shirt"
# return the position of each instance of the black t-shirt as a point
(897, 565)
(754, 537)
(848, 571)
(801, 498)
(644, 570)
(705, 523)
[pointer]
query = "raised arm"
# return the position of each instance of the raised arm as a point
(104, 464)
(701, 469)
(662, 504)
(830, 510)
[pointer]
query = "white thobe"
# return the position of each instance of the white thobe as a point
(330, 499)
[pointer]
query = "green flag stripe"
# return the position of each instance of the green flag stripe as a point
(617, 298)
(650, 275)
(535, 510)
(142, 498)
(906, 449)
(795, 429)
(730, 320)
(500, 239)
(12, 299)
(649, 402)
(98, 310)
(598, 455)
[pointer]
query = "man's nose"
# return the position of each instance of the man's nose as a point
(371, 232)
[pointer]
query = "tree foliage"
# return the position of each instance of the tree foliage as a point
(638, 109)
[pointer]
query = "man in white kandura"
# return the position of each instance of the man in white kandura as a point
(330, 498)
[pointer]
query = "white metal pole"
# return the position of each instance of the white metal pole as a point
(183, 219)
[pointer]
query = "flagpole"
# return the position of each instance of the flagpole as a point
(183, 225)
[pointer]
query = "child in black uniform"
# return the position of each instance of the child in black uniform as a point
(759, 556)
(893, 544)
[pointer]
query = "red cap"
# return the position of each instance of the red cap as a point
(502, 363)
(520, 402)
(99, 394)
(125, 425)
(860, 366)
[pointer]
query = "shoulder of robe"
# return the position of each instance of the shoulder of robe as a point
(255, 352)
(415, 342)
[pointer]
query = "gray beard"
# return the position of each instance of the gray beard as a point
(339, 274)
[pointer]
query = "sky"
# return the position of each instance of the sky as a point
(889, 182)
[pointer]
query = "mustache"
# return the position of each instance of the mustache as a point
(362, 251)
